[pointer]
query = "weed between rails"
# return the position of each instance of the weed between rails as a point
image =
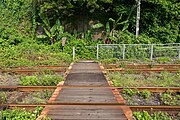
(163, 79)
(145, 97)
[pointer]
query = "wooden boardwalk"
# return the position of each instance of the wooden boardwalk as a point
(87, 102)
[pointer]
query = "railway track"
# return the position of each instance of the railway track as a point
(86, 91)
(29, 70)
(40, 88)
(21, 71)
(27, 88)
(138, 68)
(142, 66)
(36, 67)
(135, 68)
(155, 108)
(133, 108)
(157, 70)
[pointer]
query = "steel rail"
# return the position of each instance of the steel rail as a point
(155, 108)
(145, 65)
(27, 88)
(142, 70)
(31, 70)
(152, 89)
(30, 67)
(39, 88)
(86, 104)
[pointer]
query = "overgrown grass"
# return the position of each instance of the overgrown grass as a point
(18, 114)
(163, 79)
(145, 97)
(32, 54)
(40, 80)
(154, 116)
(160, 60)
(40, 97)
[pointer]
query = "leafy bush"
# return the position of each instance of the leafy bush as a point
(163, 79)
(15, 19)
(29, 81)
(163, 59)
(3, 97)
(108, 61)
(37, 97)
(142, 115)
(145, 93)
(130, 92)
(17, 114)
(155, 116)
(81, 49)
(32, 54)
(170, 99)
(43, 80)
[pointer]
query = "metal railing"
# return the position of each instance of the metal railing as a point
(131, 51)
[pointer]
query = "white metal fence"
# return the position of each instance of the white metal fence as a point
(130, 51)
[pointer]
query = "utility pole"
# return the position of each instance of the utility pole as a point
(138, 17)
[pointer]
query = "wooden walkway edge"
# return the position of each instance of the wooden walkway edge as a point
(83, 101)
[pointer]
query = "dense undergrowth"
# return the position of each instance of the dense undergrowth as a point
(154, 116)
(32, 54)
(40, 80)
(145, 97)
(17, 114)
(163, 79)
(31, 31)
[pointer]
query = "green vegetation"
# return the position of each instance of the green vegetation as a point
(145, 97)
(40, 80)
(3, 97)
(155, 116)
(163, 60)
(28, 54)
(170, 98)
(120, 15)
(145, 94)
(130, 92)
(143, 60)
(17, 114)
(31, 31)
(36, 97)
(41, 97)
(163, 79)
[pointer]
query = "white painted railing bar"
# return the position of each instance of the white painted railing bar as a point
(123, 51)
(151, 56)
(97, 52)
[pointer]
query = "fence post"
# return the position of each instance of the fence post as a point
(74, 53)
(123, 51)
(97, 52)
(152, 47)
(179, 51)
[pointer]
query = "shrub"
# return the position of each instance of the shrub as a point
(17, 114)
(42, 80)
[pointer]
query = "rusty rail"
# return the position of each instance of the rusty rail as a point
(158, 70)
(134, 108)
(153, 89)
(142, 66)
(39, 88)
(36, 67)
(156, 108)
(128, 68)
(30, 70)
(28, 88)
